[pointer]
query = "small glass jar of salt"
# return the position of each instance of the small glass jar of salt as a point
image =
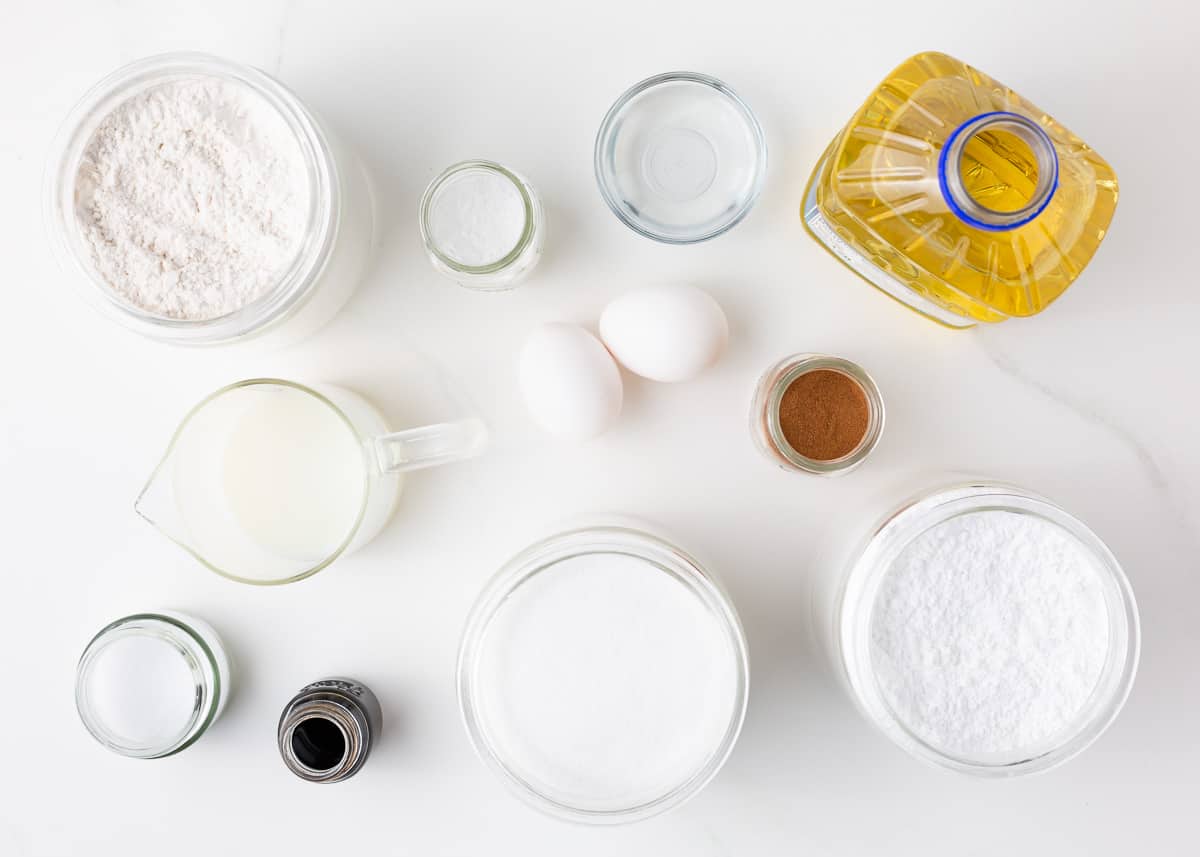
(482, 225)
(150, 684)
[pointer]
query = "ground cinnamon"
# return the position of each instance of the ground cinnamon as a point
(824, 414)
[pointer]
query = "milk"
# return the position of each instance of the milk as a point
(293, 476)
(269, 482)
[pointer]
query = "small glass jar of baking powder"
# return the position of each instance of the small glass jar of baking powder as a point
(150, 684)
(332, 238)
(482, 225)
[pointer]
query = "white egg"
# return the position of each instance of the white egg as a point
(665, 333)
(571, 384)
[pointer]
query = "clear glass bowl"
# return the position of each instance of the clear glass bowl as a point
(854, 606)
(680, 158)
(520, 763)
(333, 253)
(203, 655)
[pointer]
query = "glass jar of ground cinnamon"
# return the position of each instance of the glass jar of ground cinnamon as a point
(817, 414)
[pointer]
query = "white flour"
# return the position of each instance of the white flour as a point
(989, 633)
(477, 218)
(193, 198)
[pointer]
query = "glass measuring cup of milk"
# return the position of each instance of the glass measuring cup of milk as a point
(268, 481)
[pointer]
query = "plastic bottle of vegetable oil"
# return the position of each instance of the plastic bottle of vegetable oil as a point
(958, 197)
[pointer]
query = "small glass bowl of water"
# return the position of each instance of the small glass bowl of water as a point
(680, 158)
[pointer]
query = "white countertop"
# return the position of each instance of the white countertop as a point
(1093, 404)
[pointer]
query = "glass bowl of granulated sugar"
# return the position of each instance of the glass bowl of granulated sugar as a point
(986, 630)
(198, 201)
(603, 676)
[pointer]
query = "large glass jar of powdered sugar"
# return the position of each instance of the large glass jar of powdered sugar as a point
(603, 675)
(984, 629)
(197, 201)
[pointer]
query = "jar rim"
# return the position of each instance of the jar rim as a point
(527, 231)
(343, 702)
(951, 181)
(201, 659)
(544, 555)
(872, 562)
(802, 364)
(295, 284)
(348, 727)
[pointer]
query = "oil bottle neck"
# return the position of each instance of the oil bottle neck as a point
(985, 158)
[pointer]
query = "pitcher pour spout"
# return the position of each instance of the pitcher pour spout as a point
(157, 504)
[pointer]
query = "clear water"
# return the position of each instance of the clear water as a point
(682, 161)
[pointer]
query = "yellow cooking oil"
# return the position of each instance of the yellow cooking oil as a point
(958, 197)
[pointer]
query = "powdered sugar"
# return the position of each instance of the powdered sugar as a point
(192, 198)
(989, 634)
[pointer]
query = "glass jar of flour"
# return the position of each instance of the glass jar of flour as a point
(984, 629)
(200, 202)
(482, 225)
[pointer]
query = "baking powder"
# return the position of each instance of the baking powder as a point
(989, 634)
(477, 217)
(192, 198)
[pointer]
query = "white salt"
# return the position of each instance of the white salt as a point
(606, 682)
(141, 688)
(989, 634)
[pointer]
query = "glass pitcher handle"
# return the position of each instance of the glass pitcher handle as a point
(429, 446)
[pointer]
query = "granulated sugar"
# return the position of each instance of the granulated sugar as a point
(606, 682)
(989, 633)
(192, 197)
